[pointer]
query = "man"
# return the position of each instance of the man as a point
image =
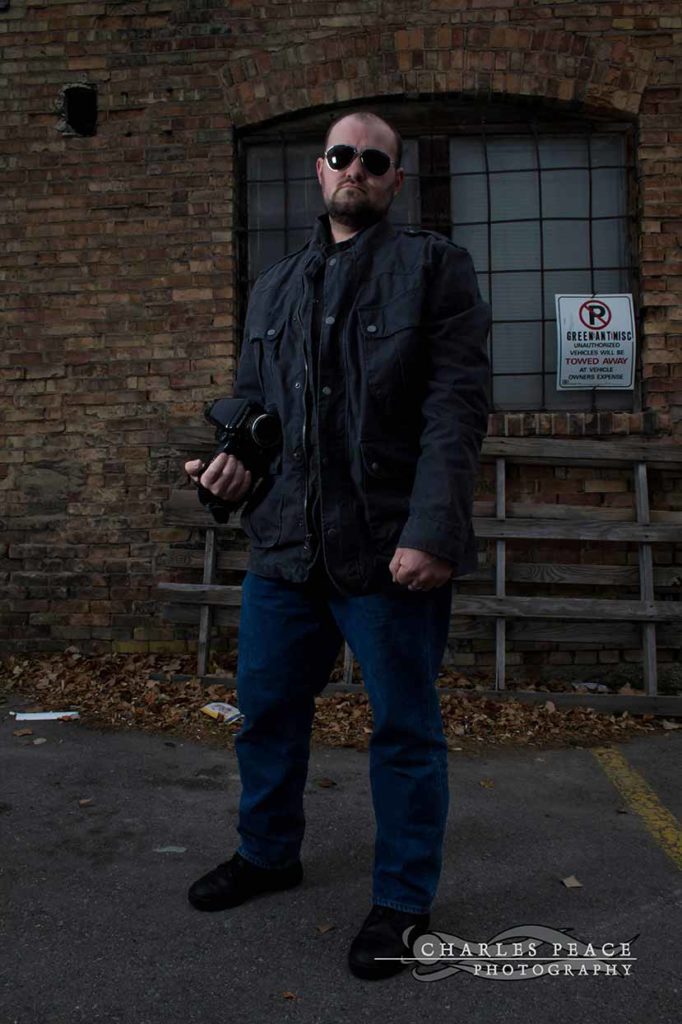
(370, 342)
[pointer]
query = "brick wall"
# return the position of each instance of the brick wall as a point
(117, 263)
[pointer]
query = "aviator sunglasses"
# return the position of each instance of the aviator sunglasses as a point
(375, 161)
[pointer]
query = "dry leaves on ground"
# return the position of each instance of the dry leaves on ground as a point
(117, 691)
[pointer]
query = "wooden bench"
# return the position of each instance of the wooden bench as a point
(628, 622)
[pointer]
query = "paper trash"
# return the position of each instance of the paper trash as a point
(42, 716)
(222, 712)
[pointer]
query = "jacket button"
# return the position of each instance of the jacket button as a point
(332, 262)
(324, 460)
(371, 328)
(374, 467)
(326, 390)
(297, 455)
(329, 320)
(331, 532)
(297, 384)
(270, 331)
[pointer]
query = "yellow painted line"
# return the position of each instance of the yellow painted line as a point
(663, 826)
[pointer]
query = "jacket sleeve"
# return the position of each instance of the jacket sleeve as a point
(455, 407)
(247, 385)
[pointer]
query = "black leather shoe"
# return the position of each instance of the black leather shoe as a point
(237, 880)
(382, 936)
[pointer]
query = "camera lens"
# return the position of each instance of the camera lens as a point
(265, 430)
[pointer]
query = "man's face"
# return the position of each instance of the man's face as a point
(353, 196)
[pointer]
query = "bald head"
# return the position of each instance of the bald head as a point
(395, 148)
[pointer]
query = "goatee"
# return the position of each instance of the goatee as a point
(358, 216)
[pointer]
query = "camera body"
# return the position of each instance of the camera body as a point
(249, 432)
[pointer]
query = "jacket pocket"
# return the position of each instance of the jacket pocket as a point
(265, 334)
(394, 460)
(262, 524)
(389, 340)
(388, 476)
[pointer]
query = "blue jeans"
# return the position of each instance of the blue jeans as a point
(289, 637)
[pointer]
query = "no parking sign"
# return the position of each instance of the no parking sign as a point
(595, 341)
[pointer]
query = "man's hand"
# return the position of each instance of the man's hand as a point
(419, 570)
(226, 476)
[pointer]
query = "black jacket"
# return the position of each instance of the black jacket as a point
(401, 404)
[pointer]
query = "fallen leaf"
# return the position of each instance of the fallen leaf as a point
(550, 705)
(289, 995)
(572, 882)
(86, 803)
(322, 928)
(326, 783)
(488, 783)
(23, 732)
(670, 725)
(39, 740)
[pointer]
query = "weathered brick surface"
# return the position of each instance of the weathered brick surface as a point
(117, 274)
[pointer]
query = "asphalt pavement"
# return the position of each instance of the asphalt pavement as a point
(97, 927)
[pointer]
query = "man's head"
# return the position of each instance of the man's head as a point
(353, 196)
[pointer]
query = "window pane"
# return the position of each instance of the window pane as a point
(264, 248)
(567, 243)
(517, 348)
(609, 194)
(563, 151)
(304, 202)
(611, 281)
(514, 195)
(475, 239)
(507, 153)
(300, 160)
(609, 243)
(565, 194)
(516, 392)
(467, 155)
(468, 199)
(264, 163)
(607, 149)
(516, 246)
(266, 209)
(405, 210)
(516, 296)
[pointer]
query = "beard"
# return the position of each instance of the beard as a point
(356, 213)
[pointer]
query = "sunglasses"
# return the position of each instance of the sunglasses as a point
(375, 161)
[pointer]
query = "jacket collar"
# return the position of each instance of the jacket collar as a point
(363, 240)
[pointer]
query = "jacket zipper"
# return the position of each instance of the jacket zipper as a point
(306, 525)
(308, 531)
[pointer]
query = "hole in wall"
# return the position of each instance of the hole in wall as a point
(77, 106)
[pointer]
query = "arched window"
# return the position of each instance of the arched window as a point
(543, 201)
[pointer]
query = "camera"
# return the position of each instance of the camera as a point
(249, 432)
